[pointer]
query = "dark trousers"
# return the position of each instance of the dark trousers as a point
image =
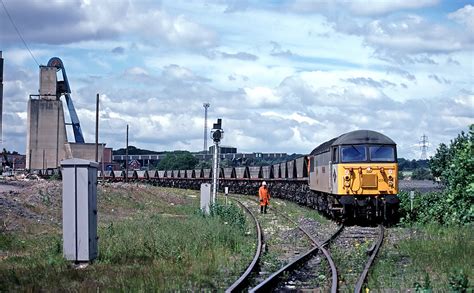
(263, 209)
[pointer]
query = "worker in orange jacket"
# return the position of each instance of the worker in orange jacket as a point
(264, 196)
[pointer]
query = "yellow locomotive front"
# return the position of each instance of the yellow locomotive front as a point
(367, 170)
(355, 175)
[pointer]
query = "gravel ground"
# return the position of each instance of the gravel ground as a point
(23, 202)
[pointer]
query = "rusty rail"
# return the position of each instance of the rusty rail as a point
(273, 279)
(374, 251)
(240, 283)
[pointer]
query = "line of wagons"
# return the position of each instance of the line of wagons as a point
(296, 169)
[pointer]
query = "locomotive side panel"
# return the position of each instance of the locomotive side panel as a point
(320, 177)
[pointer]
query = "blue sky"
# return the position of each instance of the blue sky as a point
(284, 76)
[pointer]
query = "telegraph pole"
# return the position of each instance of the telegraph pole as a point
(205, 105)
(97, 129)
(126, 158)
(1, 98)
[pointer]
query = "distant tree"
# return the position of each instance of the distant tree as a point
(402, 164)
(410, 165)
(400, 175)
(421, 174)
(204, 165)
(182, 160)
(132, 150)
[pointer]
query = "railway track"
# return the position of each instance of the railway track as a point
(293, 272)
(241, 282)
(297, 267)
(288, 244)
(372, 254)
(362, 245)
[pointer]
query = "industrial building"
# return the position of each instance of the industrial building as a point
(47, 142)
(145, 161)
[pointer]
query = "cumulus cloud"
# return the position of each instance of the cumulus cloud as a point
(395, 29)
(261, 96)
(118, 50)
(360, 7)
(465, 16)
(439, 79)
(278, 51)
(224, 55)
(64, 22)
(370, 8)
(287, 89)
(398, 71)
(239, 55)
(370, 82)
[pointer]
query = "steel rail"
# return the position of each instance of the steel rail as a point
(273, 279)
(363, 275)
(240, 283)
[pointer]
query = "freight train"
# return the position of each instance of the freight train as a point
(352, 176)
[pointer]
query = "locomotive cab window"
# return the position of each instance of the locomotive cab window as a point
(335, 155)
(382, 153)
(353, 153)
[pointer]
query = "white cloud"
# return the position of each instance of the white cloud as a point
(65, 22)
(281, 79)
(261, 96)
(378, 7)
(465, 16)
(297, 117)
(360, 7)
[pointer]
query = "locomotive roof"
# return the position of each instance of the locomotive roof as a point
(354, 137)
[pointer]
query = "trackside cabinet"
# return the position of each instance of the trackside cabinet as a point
(79, 209)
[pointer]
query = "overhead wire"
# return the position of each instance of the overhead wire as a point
(18, 31)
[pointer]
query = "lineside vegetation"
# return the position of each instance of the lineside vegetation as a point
(433, 248)
(150, 239)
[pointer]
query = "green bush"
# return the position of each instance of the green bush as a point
(458, 281)
(230, 214)
(454, 166)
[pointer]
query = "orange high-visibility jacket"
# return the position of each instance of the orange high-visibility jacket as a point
(264, 196)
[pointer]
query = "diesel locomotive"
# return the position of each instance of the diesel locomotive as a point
(355, 175)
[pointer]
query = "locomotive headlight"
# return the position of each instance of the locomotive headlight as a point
(369, 170)
(390, 179)
(390, 171)
(347, 175)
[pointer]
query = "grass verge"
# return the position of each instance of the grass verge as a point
(152, 240)
(429, 257)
